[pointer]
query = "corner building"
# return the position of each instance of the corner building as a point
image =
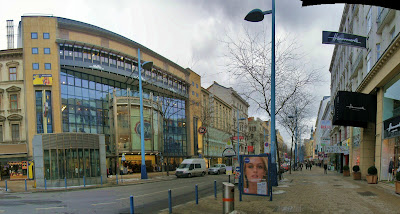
(82, 78)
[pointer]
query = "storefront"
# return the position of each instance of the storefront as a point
(391, 127)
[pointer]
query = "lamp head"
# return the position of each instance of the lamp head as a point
(255, 15)
(147, 65)
(290, 116)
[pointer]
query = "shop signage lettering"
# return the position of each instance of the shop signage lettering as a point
(326, 124)
(337, 38)
(391, 127)
(336, 149)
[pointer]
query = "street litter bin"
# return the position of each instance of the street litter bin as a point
(228, 198)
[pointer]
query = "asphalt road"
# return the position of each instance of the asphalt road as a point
(148, 198)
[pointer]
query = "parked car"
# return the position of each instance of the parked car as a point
(217, 169)
(191, 167)
(285, 167)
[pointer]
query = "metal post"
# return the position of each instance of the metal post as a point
(169, 201)
(132, 207)
(84, 181)
(101, 180)
(228, 198)
(6, 185)
(215, 189)
(295, 142)
(122, 180)
(65, 181)
(26, 188)
(45, 184)
(229, 178)
(116, 178)
(143, 166)
(197, 194)
(237, 119)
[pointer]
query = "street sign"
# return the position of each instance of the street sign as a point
(229, 170)
(235, 138)
(266, 147)
(123, 157)
(202, 130)
(228, 144)
(228, 152)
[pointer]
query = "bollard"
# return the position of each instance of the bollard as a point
(132, 207)
(65, 182)
(116, 175)
(228, 198)
(101, 180)
(169, 201)
(6, 185)
(215, 189)
(84, 181)
(197, 194)
(26, 187)
(45, 184)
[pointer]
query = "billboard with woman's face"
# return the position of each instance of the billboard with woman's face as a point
(254, 177)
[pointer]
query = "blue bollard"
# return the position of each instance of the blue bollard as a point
(215, 189)
(6, 185)
(101, 180)
(65, 181)
(132, 207)
(26, 187)
(45, 184)
(197, 194)
(116, 177)
(169, 201)
(84, 181)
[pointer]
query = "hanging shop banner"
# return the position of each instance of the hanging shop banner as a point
(337, 38)
(391, 127)
(336, 149)
(354, 109)
(254, 174)
(42, 79)
(326, 124)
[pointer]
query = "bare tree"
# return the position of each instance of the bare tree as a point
(249, 60)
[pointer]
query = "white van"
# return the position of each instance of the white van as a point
(191, 167)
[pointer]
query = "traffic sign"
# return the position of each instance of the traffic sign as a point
(235, 138)
(202, 130)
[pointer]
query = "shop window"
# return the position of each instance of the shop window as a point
(13, 73)
(15, 132)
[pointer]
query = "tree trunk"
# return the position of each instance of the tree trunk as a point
(291, 157)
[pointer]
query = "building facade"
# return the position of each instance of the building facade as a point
(239, 106)
(372, 70)
(258, 134)
(15, 161)
(83, 78)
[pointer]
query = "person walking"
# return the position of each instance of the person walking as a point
(310, 166)
(325, 168)
(306, 165)
(301, 166)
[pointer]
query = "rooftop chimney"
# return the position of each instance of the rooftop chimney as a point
(10, 34)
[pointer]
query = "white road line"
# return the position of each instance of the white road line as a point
(103, 203)
(49, 208)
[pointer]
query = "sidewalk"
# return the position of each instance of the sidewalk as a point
(309, 192)
(132, 179)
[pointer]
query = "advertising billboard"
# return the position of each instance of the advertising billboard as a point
(42, 79)
(254, 171)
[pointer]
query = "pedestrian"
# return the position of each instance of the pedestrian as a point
(310, 166)
(301, 166)
(325, 168)
(306, 165)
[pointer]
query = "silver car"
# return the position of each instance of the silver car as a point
(217, 169)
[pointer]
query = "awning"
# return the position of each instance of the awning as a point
(11, 149)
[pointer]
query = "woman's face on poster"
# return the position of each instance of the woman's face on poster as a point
(255, 169)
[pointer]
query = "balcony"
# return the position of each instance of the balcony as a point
(384, 17)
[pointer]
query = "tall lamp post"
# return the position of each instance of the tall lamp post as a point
(238, 151)
(257, 15)
(146, 65)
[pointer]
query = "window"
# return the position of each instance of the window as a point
(35, 66)
(46, 50)
(13, 101)
(378, 51)
(197, 95)
(369, 21)
(369, 61)
(392, 34)
(47, 66)
(34, 35)
(192, 83)
(13, 73)
(15, 131)
(35, 50)
(192, 92)
(197, 86)
(1, 133)
(46, 35)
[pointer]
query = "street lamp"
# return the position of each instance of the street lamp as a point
(257, 15)
(146, 65)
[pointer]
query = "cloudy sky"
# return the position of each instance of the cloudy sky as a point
(189, 32)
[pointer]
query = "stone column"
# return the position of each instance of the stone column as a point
(367, 148)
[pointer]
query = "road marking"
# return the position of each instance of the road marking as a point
(103, 203)
(49, 208)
